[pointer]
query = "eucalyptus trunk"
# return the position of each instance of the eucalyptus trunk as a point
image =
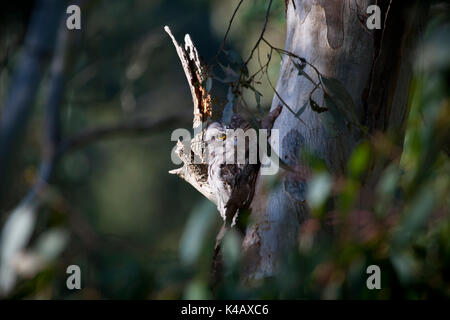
(375, 66)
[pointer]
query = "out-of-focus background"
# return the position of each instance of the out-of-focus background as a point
(138, 232)
(130, 213)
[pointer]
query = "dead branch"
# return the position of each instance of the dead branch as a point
(194, 172)
(196, 75)
(132, 127)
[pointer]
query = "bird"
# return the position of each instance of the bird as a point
(232, 182)
(225, 172)
(231, 174)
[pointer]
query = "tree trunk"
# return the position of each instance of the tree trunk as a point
(375, 66)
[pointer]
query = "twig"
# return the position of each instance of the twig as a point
(138, 126)
(262, 33)
(31, 200)
(39, 44)
(281, 99)
(52, 120)
(222, 45)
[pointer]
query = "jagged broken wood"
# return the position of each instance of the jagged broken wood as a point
(194, 172)
(195, 72)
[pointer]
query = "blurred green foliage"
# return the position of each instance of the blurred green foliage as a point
(405, 226)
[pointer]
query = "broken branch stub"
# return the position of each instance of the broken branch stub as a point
(194, 172)
(196, 75)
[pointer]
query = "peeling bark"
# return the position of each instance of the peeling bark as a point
(374, 66)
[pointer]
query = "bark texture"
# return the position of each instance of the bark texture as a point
(374, 65)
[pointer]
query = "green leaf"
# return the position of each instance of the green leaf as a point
(340, 96)
(302, 109)
(329, 123)
(389, 181)
(51, 243)
(231, 246)
(193, 239)
(405, 265)
(15, 235)
(230, 94)
(415, 216)
(318, 189)
(359, 160)
(258, 98)
(338, 117)
(228, 110)
(227, 113)
(304, 74)
(197, 290)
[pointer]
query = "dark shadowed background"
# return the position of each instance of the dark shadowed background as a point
(113, 209)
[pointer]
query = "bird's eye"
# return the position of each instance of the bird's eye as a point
(222, 136)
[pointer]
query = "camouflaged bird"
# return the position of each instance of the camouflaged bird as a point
(225, 172)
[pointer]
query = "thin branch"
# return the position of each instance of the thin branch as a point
(39, 44)
(281, 99)
(292, 55)
(52, 117)
(222, 45)
(135, 127)
(262, 33)
(31, 200)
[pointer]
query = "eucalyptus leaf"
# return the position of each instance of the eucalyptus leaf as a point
(231, 249)
(197, 290)
(318, 189)
(341, 97)
(15, 236)
(415, 216)
(258, 97)
(329, 123)
(302, 109)
(228, 110)
(338, 116)
(360, 159)
(51, 243)
(193, 239)
(301, 72)
(230, 94)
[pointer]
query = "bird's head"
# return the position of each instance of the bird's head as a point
(220, 143)
(215, 133)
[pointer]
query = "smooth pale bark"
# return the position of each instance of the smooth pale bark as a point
(374, 65)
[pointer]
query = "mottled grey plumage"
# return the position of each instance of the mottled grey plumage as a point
(225, 174)
(233, 184)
